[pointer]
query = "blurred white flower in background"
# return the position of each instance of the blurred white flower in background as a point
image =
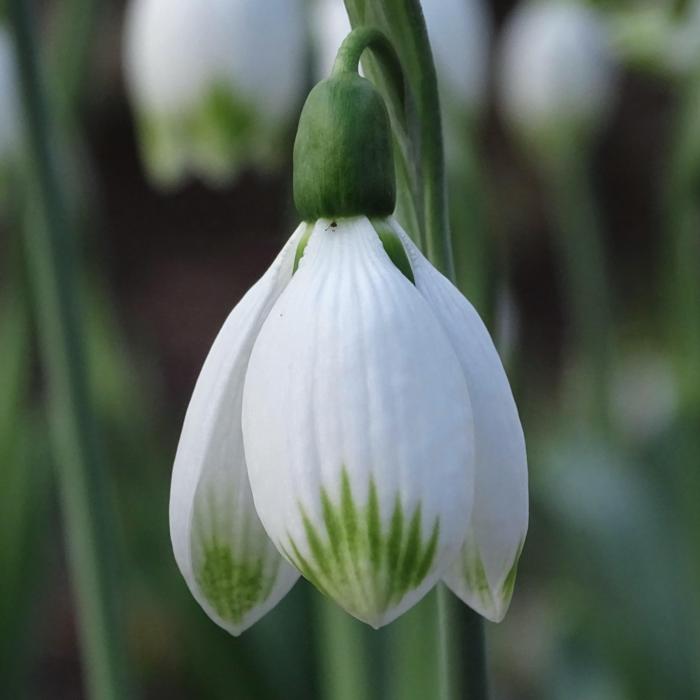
(330, 25)
(215, 84)
(556, 72)
(460, 36)
(10, 123)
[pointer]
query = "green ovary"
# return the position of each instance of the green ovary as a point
(232, 586)
(365, 565)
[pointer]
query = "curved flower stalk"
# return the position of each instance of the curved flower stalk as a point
(460, 33)
(557, 73)
(215, 84)
(10, 137)
(353, 421)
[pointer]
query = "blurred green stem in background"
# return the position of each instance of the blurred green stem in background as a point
(23, 498)
(342, 638)
(86, 509)
(448, 679)
(422, 203)
(682, 241)
(72, 38)
(413, 666)
(681, 305)
(579, 241)
(473, 248)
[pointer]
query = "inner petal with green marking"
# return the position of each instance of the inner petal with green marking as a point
(363, 561)
(234, 563)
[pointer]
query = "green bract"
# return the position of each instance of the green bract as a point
(343, 158)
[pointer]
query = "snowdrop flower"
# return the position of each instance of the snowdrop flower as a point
(556, 71)
(10, 122)
(214, 83)
(352, 422)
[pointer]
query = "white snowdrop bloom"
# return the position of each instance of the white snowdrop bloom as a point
(215, 83)
(556, 69)
(353, 421)
(10, 122)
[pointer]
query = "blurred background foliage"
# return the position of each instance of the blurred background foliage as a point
(580, 247)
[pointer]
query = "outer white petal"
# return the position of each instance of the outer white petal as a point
(485, 573)
(227, 560)
(357, 428)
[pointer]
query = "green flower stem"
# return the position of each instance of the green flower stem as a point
(420, 65)
(580, 246)
(362, 38)
(462, 629)
(474, 250)
(413, 666)
(448, 678)
(81, 473)
(342, 653)
(415, 111)
(475, 680)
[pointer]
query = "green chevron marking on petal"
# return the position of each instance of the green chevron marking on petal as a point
(353, 558)
(374, 527)
(234, 564)
(475, 575)
(232, 587)
(509, 582)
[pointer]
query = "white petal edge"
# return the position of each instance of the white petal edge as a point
(500, 514)
(211, 506)
(352, 372)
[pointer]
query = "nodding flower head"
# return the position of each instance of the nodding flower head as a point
(353, 422)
